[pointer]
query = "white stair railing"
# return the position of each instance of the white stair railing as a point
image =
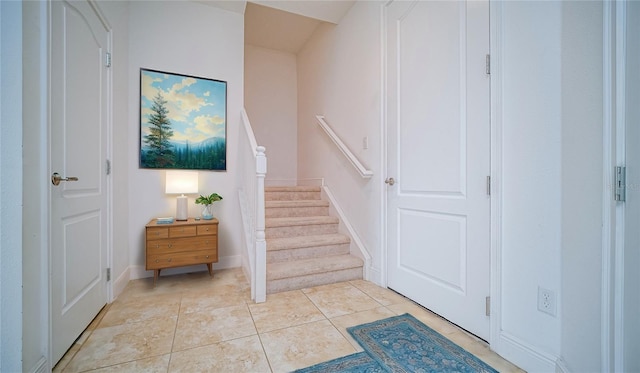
(362, 170)
(252, 172)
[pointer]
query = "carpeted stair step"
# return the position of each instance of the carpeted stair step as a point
(306, 247)
(300, 226)
(304, 273)
(287, 209)
(296, 193)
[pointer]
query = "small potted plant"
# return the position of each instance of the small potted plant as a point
(207, 203)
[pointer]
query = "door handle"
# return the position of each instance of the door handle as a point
(56, 178)
(390, 181)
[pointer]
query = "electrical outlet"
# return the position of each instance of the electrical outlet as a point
(365, 142)
(546, 301)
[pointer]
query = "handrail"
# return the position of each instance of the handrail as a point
(362, 170)
(249, 131)
(253, 170)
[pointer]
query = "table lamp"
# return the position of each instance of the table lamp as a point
(182, 182)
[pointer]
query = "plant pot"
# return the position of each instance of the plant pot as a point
(207, 212)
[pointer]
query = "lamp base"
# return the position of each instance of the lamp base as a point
(182, 211)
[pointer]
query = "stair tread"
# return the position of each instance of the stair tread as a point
(302, 267)
(292, 189)
(274, 244)
(297, 221)
(299, 203)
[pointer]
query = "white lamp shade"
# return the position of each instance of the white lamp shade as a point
(182, 182)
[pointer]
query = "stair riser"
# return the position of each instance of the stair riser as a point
(290, 212)
(291, 196)
(301, 282)
(306, 253)
(300, 230)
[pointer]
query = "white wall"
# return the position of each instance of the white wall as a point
(35, 291)
(339, 76)
(271, 101)
(582, 162)
(11, 186)
(531, 181)
(195, 39)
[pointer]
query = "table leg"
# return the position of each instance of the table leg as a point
(156, 274)
(210, 268)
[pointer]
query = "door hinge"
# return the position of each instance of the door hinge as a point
(488, 185)
(107, 59)
(108, 274)
(488, 64)
(487, 306)
(108, 167)
(621, 184)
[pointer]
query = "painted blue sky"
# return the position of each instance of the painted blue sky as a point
(196, 106)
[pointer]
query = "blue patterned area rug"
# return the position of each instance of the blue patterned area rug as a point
(402, 344)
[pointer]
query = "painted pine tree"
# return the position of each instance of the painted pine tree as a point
(159, 152)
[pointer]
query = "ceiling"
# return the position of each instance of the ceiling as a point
(276, 29)
(324, 10)
(283, 25)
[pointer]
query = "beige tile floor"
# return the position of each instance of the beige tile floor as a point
(193, 323)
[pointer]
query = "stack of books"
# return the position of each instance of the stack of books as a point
(164, 220)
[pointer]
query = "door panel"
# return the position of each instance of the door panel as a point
(438, 152)
(78, 143)
(430, 72)
(443, 264)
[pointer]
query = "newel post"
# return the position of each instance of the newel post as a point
(261, 243)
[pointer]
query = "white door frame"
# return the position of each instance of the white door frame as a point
(496, 47)
(608, 204)
(616, 320)
(614, 154)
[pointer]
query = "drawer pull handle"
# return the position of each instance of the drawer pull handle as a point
(168, 260)
(207, 256)
(169, 245)
(206, 242)
(157, 233)
(207, 229)
(157, 246)
(157, 261)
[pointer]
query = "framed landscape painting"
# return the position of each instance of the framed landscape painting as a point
(183, 121)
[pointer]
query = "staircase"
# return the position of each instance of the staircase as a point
(304, 248)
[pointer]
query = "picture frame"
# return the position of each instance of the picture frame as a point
(183, 121)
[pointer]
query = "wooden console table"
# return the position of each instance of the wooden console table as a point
(181, 243)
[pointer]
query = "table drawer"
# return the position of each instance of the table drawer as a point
(204, 230)
(177, 245)
(168, 260)
(157, 232)
(187, 231)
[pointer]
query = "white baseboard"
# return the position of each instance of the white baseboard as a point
(523, 354)
(375, 276)
(40, 366)
(138, 271)
(121, 282)
(357, 247)
(561, 366)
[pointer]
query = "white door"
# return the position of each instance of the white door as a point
(438, 153)
(78, 142)
(631, 256)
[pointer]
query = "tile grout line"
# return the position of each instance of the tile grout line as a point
(175, 331)
(260, 337)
